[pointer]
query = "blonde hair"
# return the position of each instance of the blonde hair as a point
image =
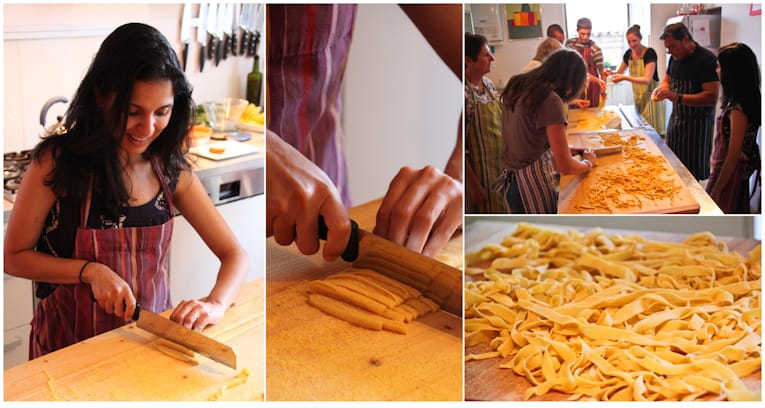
(547, 47)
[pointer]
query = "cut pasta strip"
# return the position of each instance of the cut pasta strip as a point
(610, 317)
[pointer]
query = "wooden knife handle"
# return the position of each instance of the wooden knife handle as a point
(352, 248)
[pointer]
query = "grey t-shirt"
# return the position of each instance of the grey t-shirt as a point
(524, 135)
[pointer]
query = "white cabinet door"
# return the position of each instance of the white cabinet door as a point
(194, 268)
(17, 304)
(15, 346)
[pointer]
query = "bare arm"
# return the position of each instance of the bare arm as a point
(441, 25)
(564, 162)
(738, 124)
(33, 202)
(193, 202)
(643, 80)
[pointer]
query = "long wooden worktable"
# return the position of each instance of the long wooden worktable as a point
(314, 356)
(690, 199)
(122, 364)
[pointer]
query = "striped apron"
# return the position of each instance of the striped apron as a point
(138, 255)
(532, 189)
(689, 132)
(484, 142)
(652, 111)
(307, 50)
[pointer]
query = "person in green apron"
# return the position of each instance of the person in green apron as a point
(483, 124)
(641, 62)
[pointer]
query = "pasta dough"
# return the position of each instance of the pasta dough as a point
(613, 317)
(369, 299)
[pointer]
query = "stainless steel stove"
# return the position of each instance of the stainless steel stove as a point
(14, 165)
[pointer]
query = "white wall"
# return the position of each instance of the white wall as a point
(401, 102)
(512, 55)
(48, 47)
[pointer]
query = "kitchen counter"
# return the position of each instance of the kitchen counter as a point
(630, 119)
(122, 364)
(313, 356)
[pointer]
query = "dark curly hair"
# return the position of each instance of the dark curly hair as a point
(89, 148)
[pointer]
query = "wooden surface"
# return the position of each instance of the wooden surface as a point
(313, 356)
(484, 380)
(122, 364)
(574, 189)
(583, 120)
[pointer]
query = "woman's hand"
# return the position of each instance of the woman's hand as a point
(197, 314)
(581, 103)
(112, 293)
(298, 192)
(421, 210)
(590, 156)
(617, 78)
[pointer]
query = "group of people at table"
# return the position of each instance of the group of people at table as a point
(516, 146)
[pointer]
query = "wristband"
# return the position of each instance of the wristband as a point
(81, 270)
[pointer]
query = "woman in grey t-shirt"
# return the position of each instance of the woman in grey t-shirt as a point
(534, 144)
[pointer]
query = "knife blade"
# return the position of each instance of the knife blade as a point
(436, 280)
(170, 330)
(185, 34)
(601, 151)
(256, 15)
(237, 9)
(202, 35)
(228, 16)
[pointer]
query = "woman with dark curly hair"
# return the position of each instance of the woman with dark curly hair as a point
(93, 218)
(736, 155)
(534, 144)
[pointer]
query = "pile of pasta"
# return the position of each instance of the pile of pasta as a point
(369, 299)
(612, 317)
(643, 175)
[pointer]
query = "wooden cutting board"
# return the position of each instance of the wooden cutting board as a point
(583, 120)
(122, 365)
(313, 356)
(574, 189)
(484, 380)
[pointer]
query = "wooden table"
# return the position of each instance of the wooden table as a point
(313, 356)
(122, 365)
(484, 380)
(630, 119)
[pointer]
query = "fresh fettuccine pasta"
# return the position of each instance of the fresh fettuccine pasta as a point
(613, 317)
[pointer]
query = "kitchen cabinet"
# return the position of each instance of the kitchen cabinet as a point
(194, 268)
(17, 315)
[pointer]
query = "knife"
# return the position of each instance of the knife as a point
(202, 35)
(434, 279)
(256, 17)
(212, 19)
(185, 34)
(219, 40)
(170, 330)
(236, 10)
(226, 20)
(244, 24)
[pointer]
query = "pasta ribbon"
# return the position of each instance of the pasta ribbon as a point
(610, 317)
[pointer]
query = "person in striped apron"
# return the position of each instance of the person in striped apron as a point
(736, 155)
(641, 62)
(93, 218)
(483, 126)
(534, 143)
(307, 51)
(691, 84)
(593, 57)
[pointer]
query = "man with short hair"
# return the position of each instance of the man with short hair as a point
(692, 84)
(556, 31)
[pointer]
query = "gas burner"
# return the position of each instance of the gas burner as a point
(10, 171)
